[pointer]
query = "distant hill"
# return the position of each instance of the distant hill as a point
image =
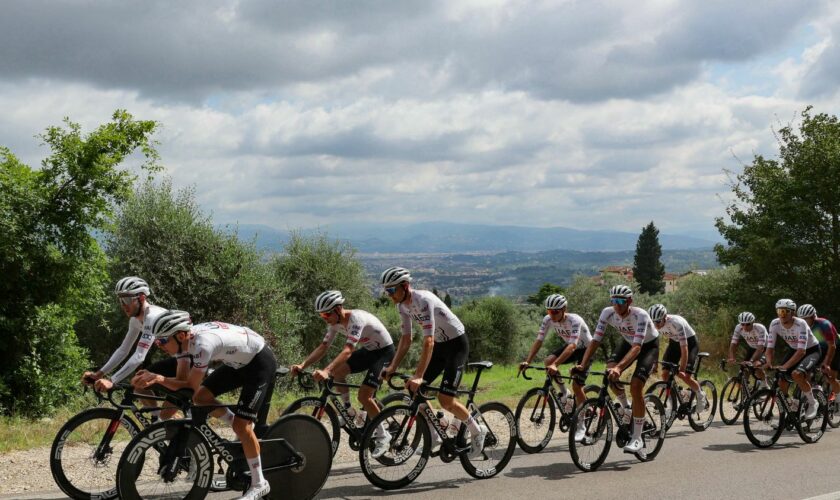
(448, 237)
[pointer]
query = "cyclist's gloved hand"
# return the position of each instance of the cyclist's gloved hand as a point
(103, 384)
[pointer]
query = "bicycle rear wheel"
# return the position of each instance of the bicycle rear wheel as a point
(653, 432)
(833, 413)
(700, 421)
(535, 417)
(764, 418)
(590, 453)
(731, 401)
(812, 430)
(308, 438)
(138, 473)
(326, 414)
(408, 452)
(86, 451)
(499, 444)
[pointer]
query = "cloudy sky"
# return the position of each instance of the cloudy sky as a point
(585, 114)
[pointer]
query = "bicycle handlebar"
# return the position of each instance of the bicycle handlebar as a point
(524, 374)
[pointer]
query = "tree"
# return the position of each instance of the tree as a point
(52, 267)
(784, 223)
(447, 300)
(492, 326)
(648, 270)
(538, 299)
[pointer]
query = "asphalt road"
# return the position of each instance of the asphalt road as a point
(717, 463)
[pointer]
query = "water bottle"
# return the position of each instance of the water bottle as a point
(684, 396)
(454, 427)
(625, 413)
(351, 413)
(361, 416)
(794, 405)
(443, 422)
(570, 405)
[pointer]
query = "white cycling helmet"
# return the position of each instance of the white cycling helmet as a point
(394, 276)
(657, 312)
(786, 304)
(555, 301)
(621, 292)
(131, 285)
(171, 322)
(328, 300)
(746, 317)
(806, 311)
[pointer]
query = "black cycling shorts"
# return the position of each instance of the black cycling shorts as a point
(835, 361)
(167, 367)
(256, 380)
(808, 362)
(373, 361)
(673, 353)
(575, 358)
(449, 358)
(645, 361)
(750, 352)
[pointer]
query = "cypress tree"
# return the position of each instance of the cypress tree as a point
(648, 270)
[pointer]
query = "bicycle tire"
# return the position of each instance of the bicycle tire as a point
(102, 471)
(598, 423)
(813, 430)
(653, 432)
(731, 401)
(309, 438)
(392, 470)
(137, 472)
(311, 406)
(499, 444)
(833, 413)
(701, 422)
(660, 389)
(535, 432)
(764, 418)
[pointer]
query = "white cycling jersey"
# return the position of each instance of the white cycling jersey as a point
(233, 345)
(140, 336)
(755, 338)
(432, 314)
(572, 329)
(798, 336)
(362, 327)
(676, 328)
(635, 328)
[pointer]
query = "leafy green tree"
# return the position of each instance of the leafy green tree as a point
(52, 267)
(648, 269)
(164, 237)
(310, 265)
(538, 299)
(492, 324)
(784, 223)
(447, 300)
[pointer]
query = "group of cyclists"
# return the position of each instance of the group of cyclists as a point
(248, 363)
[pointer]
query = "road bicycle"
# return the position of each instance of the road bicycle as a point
(769, 412)
(833, 404)
(536, 413)
(736, 391)
(85, 451)
(411, 425)
(598, 415)
(329, 409)
(681, 402)
(175, 459)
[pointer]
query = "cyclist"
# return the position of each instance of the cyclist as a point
(445, 347)
(640, 343)
(132, 294)
(573, 330)
(682, 349)
(824, 329)
(804, 355)
(248, 363)
(755, 335)
(376, 350)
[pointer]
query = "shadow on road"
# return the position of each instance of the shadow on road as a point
(748, 447)
(370, 491)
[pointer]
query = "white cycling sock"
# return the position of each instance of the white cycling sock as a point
(472, 425)
(810, 397)
(638, 424)
(256, 471)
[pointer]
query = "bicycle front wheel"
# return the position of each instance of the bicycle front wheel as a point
(833, 413)
(700, 421)
(668, 399)
(408, 453)
(731, 401)
(325, 414)
(653, 431)
(139, 471)
(499, 444)
(309, 439)
(589, 453)
(535, 416)
(764, 418)
(86, 450)
(812, 430)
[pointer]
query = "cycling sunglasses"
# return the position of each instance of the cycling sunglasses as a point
(391, 290)
(162, 340)
(126, 299)
(553, 311)
(326, 314)
(618, 301)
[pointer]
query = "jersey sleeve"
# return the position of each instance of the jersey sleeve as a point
(543, 328)
(802, 337)
(736, 334)
(426, 318)
(771, 337)
(136, 359)
(602, 325)
(574, 331)
(354, 333)
(681, 333)
(405, 319)
(122, 351)
(643, 322)
(330, 335)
